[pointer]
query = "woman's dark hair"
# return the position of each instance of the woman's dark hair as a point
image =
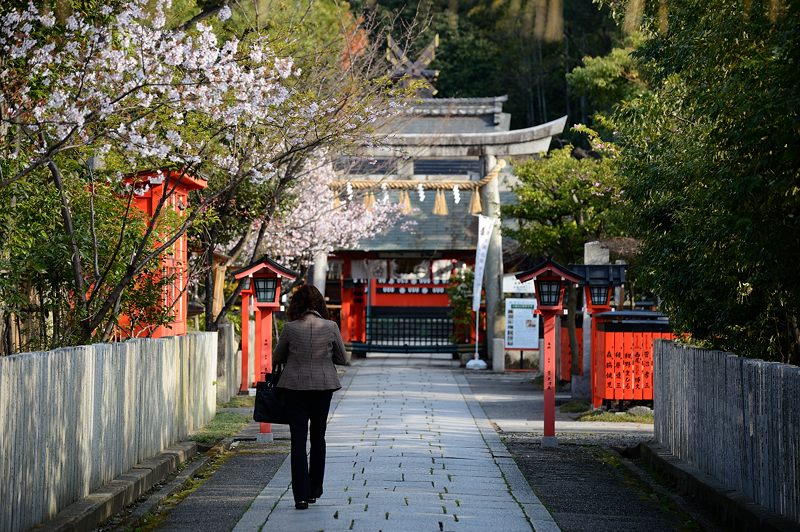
(306, 298)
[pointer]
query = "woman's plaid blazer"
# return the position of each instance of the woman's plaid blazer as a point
(310, 346)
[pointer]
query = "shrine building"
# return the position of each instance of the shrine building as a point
(445, 159)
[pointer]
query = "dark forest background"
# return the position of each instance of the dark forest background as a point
(522, 48)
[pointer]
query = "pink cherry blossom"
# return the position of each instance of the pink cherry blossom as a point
(314, 223)
(108, 77)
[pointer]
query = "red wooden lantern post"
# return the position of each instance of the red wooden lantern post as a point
(549, 280)
(598, 301)
(264, 278)
(246, 292)
(599, 282)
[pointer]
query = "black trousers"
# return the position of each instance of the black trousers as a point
(308, 408)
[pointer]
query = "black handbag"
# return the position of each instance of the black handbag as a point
(270, 404)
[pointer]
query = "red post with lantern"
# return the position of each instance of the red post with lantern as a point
(262, 279)
(598, 301)
(549, 279)
(599, 280)
(246, 293)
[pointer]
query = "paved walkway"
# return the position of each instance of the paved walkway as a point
(408, 449)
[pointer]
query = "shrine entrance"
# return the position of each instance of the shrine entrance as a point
(418, 330)
(395, 315)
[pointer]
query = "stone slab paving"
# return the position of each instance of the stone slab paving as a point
(408, 449)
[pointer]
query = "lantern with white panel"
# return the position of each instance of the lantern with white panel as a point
(550, 280)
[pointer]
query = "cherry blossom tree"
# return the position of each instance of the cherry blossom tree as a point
(313, 218)
(105, 96)
(318, 221)
(342, 92)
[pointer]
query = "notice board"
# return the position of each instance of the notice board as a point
(522, 326)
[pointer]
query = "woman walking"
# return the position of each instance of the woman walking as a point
(310, 345)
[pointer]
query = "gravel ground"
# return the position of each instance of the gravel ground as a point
(587, 488)
(584, 482)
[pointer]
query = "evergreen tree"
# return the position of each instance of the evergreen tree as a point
(711, 158)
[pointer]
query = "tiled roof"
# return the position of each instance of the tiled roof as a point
(450, 124)
(440, 116)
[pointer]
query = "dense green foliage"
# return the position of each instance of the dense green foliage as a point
(496, 48)
(607, 82)
(712, 171)
(565, 201)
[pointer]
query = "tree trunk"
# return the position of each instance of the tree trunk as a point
(793, 354)
(227, 305)
(77, 268)
(567, 109)
(540, 75)
(452, 14)
(4, 344)
(208, 300)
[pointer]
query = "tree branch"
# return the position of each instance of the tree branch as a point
(92, 224)
(99, 282)
(66, 215)
(231, 300)
(207, 12)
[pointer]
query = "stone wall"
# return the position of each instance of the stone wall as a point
(736, 419)
(75, 418)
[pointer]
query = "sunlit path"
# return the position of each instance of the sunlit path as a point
(407, 450)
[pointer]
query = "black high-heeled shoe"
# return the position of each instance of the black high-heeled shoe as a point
(311, 501)
(302, 505)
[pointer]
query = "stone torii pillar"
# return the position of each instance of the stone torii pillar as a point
(319, 272)
(493, 274)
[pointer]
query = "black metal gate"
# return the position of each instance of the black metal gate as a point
(408, 330)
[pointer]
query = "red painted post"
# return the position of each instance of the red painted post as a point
(257, 356)
(266, 339)
(245, 340)
(265, 275)
(549, 280)
(264, 353)
(549, 374)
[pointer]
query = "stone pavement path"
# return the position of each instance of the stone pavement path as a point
(408, 449)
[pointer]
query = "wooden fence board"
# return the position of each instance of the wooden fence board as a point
(735, 419)
(75, 418)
